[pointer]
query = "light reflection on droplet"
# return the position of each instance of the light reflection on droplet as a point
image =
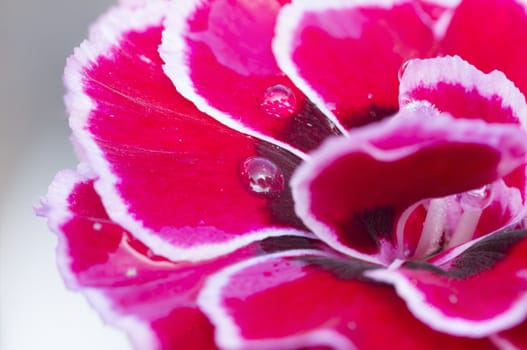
(278, 101)
(262, 176)
(402, 70)
(97, 226)
(477, 198)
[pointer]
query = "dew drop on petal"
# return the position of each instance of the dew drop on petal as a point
(402, 70)
(262, 176)
(97, 226)
(278, 101)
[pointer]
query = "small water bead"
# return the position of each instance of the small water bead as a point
(262, 176)
(279, 101)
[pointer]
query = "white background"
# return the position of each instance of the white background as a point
(36, 311)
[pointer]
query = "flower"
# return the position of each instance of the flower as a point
(269, 175)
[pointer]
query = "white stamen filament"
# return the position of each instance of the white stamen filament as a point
(433, 227)
(466, 227)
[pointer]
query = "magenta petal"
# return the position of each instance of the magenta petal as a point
(293, 301)
(489, 34)
(151, 298)
(184, 184)
(346, 56)
(218, 55)
(482, 292)
(351, 190)
(455, 86)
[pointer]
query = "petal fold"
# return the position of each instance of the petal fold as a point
(353, 188)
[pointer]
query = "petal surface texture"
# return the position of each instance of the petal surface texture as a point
(346, 55)
(218, 55)
(184, 184)
(326, 307)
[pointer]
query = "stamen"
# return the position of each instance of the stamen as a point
(433, 227)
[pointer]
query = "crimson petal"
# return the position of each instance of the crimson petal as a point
(317, 306)
(218, 55)
(351, 190)
(346, 56)
(481, 292)
(151, 298)
(513, 339)
(184, 184)
(494, 43)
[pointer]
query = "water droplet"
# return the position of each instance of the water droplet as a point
(97, 226)
(279, 101)
(402, 70)
(453, 299)
(478, 198)
(262, 176)
(370, 96)
(131, 272)
(352, 325)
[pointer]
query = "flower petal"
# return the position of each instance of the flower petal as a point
(151, 298)
(487, 33)
(351, 190)
(513, 339)
(345, 56)
(455, 86)
(482, 292)
(182, 183)
(231, 42)
(324, 307)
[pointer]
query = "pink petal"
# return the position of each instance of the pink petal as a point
(184, 184)
(346, 56)
(489, 34)
(151, 298)
(304, 300)
(455, 86)
(359, 184)
(218, 55)
(483, 291)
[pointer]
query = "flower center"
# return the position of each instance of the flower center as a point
(451, 221)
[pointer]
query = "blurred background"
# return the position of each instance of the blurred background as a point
(36, 311)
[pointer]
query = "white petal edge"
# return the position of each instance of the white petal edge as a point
(429, 72)
(283, 42)
(57, 212)
(228, 335)
(104, 35)
(433, 317)
(334, 148)
(174, 53)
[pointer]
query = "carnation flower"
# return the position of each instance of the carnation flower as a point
(272, 175)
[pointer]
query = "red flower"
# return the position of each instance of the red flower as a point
(263, 175)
